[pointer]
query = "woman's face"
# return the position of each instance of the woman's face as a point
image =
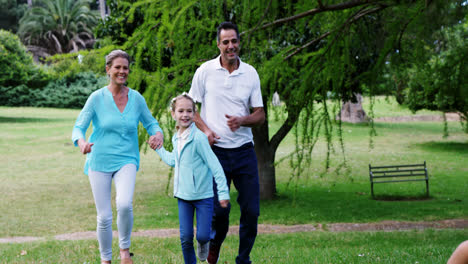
(118, 71)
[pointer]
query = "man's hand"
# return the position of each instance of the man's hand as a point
(85, 147)
(156, 141)
(224, 203)
(212, 137)
(234, 122)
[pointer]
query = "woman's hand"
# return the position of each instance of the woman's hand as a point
(85, 147)
(156, 141)
(224, 203)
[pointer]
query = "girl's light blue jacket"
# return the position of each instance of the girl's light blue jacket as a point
(195, 168)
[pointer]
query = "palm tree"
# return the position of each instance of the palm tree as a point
(102, 8)
(58, 26)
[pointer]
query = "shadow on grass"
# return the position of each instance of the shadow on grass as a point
(29, 119)
(455, 147)
(391, 198)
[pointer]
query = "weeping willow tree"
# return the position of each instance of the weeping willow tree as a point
(307, 51)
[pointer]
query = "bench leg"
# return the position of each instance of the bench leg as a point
(427, 188)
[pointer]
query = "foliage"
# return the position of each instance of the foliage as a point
(441, 83)
(58, 26)
(118, 26)
(69, 65)
(10, 14)
(419, 40)
(61, 93)
(17, 65)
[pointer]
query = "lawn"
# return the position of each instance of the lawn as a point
(45, 193)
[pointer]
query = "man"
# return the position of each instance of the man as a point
(231, 102)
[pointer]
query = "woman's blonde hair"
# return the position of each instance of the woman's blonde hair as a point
(116, 54)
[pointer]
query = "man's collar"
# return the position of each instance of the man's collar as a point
(239, 69)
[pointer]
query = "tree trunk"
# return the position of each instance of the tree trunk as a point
(102, 8)
(353, 112)
(265, 161)
(265, 149)
(29, 3)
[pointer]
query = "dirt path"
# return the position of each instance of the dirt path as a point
(274, 229)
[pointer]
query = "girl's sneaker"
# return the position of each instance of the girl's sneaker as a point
(202, 250)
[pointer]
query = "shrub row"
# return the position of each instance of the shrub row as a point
(62, 93)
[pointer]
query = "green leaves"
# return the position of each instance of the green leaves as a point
(59, 26)
(17, 65)
(441, 82)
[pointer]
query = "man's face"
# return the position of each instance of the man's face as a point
(228, 45)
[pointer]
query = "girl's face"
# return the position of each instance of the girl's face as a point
(183, 113)
(118, 71)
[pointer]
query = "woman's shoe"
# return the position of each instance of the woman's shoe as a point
(127, 260)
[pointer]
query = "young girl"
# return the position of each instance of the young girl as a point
(195, 166)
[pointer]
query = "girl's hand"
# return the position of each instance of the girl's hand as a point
(85, 147)
(156, 141)
(224, 203)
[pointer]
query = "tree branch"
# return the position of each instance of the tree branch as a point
(307, 45)
(320, 9)
(284, 129)
(350, 21)
(259, 21)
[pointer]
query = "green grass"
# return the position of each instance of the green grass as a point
(429, 246)
(388, 106)
(45, 193)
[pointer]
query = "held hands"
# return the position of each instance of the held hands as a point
(224, 203)
(156, 141)
(85, 147)
(234, 122)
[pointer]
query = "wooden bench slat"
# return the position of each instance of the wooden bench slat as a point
(400, 181)
(400, 175)
(394, 171)
(397, 166)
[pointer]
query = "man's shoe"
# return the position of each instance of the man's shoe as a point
(213, 255)
(202, 251)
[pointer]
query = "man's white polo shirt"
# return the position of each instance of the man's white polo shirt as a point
(221, 93)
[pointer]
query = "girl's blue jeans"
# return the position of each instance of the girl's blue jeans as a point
(101, 185)
(204, 212)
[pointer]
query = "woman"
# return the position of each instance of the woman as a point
(113, 150)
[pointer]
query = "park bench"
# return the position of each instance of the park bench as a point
(398, 173)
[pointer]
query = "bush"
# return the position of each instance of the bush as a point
(17, 64)
(60, 93)
(70, 65)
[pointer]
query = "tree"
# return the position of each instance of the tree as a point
(10, 14)
(303, 50)
(58, 26)
(102, 9)
(441, 83)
